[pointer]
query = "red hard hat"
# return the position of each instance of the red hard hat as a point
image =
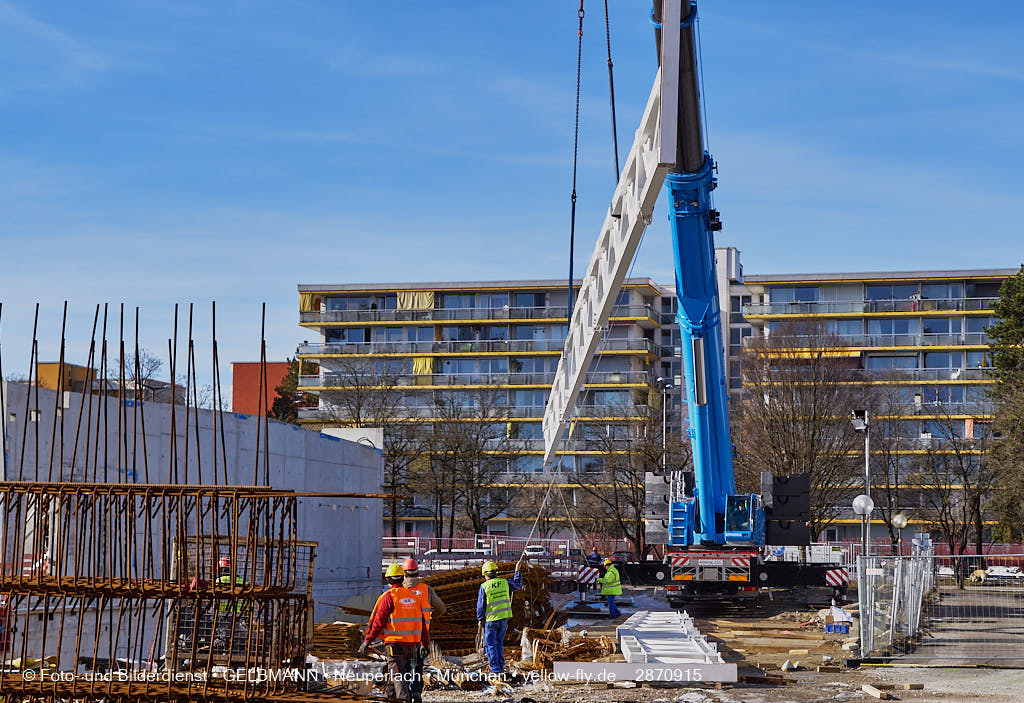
(224, 563)
(410, 565)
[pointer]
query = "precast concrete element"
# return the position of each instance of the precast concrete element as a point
(665, 637)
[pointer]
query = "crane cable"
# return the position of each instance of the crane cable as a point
(611, 88)
(575, 157)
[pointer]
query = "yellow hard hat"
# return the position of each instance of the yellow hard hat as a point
(607, 562)
(395, 570)
(488, 567)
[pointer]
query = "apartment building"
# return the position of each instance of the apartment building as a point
(922, 332)
(461, 339)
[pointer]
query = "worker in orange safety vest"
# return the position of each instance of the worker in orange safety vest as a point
(398, 620)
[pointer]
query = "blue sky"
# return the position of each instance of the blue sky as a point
(155, 153)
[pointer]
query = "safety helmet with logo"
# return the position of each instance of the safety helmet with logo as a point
(489, 567)
(224, 563)
(394, 570)
(410, 565)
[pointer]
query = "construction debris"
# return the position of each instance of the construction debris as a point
(455, 632)
(336, 640)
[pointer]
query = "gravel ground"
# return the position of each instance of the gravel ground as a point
(940, 684)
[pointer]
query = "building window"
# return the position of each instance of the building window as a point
(943, 360)
(458, 301)
(879, 363)
(942, 291)
(530, 300)
(794, 294)
(901, 291)
(941, 325)
(494, 301)
(983, 289)
(899, 325)
(979, 360)
(845, 328)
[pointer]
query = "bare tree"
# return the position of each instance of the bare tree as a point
(959, 478)
(470, 447)
(794, 417)
(890, 436)
(142, 369)
(614, 492)
(368, 393)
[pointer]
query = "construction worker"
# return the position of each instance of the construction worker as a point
(431, 605)
(594, 558)
(398, 619)
(231, 612)
(611, 586)
(494, 610)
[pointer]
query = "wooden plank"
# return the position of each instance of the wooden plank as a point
(775, 642)
(764, 680)
(829, 669)
(913, 687)
(799, 651)
(875, 692)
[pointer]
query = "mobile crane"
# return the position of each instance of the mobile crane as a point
(713, 537)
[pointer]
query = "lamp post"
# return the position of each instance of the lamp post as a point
(861, 424)
(863, 505)
(665, 387)
(899, 521)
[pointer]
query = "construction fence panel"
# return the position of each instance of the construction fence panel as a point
(943, 610)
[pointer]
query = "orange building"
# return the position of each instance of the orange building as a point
(245, 384)
(76, 378)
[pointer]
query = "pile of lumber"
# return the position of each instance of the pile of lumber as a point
(455, 631)
(549, 646)
(336, 640)
(768, 637)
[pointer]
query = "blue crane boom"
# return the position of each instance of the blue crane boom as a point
(694, 222)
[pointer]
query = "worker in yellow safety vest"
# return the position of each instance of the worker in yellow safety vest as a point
(494, 610)
(398, 619)
(611, 586)
(231, 630)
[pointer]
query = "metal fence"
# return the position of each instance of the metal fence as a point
(941, 609)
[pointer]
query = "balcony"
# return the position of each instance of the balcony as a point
(531, 411)
(919, 375)
(876, 340)
(555, 313)
(860, 307)
(488, 346)
(331, 381)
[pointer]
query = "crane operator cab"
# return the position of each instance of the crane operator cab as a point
(744, 519)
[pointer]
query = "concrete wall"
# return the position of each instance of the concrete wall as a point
(348, 530)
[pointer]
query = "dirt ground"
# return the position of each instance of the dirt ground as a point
(940, 684)
(982, 685)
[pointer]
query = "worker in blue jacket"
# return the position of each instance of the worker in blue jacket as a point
(494, 610)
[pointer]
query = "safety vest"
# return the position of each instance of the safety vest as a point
(422, 592)
(223, 605)
(611, 585)
(498, 600)
(406, 621)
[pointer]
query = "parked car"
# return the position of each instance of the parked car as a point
(537, 551)
(621, 557)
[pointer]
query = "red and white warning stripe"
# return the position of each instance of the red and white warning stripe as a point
(587, 574)
(837, 577)
(710, 559)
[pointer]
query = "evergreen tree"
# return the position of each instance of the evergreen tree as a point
(285, 406)
(1007, 344)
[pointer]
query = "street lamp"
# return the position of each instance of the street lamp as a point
(665, 387)
(863, 505)
(861, 424)
(899, 521)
